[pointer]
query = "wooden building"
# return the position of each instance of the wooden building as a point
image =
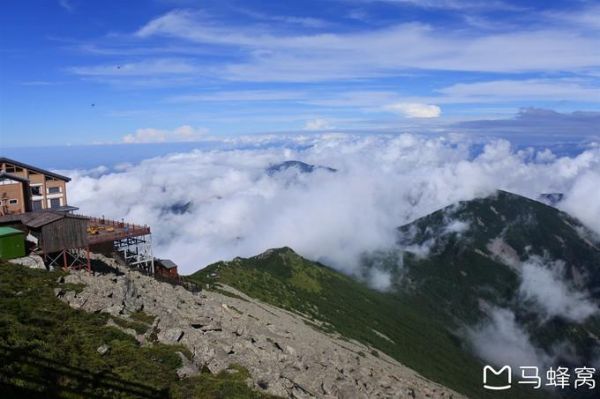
(61, 238)
(166, 268)
(26, 188)
(57, 231)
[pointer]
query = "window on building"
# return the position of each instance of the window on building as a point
(36, 205)
(53, 190)
(13, 202)
(36, 190)
(55, 203)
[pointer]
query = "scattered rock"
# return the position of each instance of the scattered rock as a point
(31, 261)
(188, 368)
(171, 335)
(103, 349)
(290, 350)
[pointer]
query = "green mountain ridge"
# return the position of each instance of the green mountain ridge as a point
(449, 273)
(484, 260)
(401, 327)
(513, 259)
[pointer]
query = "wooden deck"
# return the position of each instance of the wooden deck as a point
(102, 230)
(69, 230)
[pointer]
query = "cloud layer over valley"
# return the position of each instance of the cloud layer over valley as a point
(209, 205)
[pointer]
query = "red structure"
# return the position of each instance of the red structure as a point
(166, 268)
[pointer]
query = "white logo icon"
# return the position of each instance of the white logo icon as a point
(490, 369)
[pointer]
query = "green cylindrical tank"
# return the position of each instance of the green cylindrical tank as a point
(12, 243)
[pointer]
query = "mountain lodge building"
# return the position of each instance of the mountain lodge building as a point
(34, 201)
(26, 188)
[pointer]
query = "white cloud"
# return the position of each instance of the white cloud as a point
(588, 16)
(415, 110)
(480, 94)
(383, 181)
(151, 135)
(458, 5)
(273, 55)
(67, 5)
(380, 280)
(544, 283)
(584, 189)
(477, 93)
(502, 341)
(317, 124)
(456, 226)
(511, 90)
(241, 95)
(307, 22)
(142, 68)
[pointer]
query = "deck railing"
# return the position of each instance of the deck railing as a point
(103, 229)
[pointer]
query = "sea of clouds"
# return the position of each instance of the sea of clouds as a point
(209, 205)
(206, 205)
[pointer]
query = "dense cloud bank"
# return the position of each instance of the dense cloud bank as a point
(208, 205)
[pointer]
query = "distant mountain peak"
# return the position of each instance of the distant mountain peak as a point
(528, 225)
(300, 166)
(282, 251)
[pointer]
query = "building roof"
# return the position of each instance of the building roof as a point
(11, 218)
(9, 231)
(64, 208)
(37, 219)
(34, 168)
(4, 175)
(167, 263)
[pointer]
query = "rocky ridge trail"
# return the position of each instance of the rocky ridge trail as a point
(284, 353)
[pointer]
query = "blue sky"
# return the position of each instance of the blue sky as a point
(88, 72)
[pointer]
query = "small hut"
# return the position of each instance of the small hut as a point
(166, 268)
(12, 243)
(61, 237)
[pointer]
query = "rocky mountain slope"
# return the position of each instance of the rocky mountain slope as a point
(405, 328)
(286, 354)
(50, 350)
